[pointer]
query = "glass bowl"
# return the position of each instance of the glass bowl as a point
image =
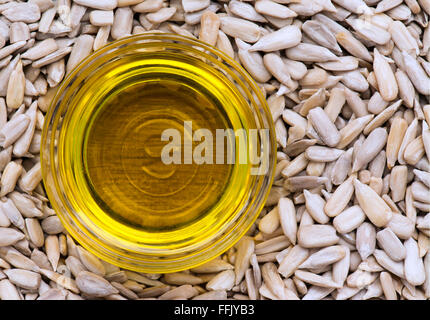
(62, 156)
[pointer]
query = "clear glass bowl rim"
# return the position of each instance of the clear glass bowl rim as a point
(109, 252)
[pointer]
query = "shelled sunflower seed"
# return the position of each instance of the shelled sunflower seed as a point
(348, 86)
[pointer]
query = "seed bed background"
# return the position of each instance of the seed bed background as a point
(348, 85)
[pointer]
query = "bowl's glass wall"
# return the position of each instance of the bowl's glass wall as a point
(96, 239)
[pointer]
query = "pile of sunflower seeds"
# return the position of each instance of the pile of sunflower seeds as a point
(348, 85)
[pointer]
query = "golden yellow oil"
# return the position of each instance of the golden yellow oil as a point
(123, 156)
(109, 152)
